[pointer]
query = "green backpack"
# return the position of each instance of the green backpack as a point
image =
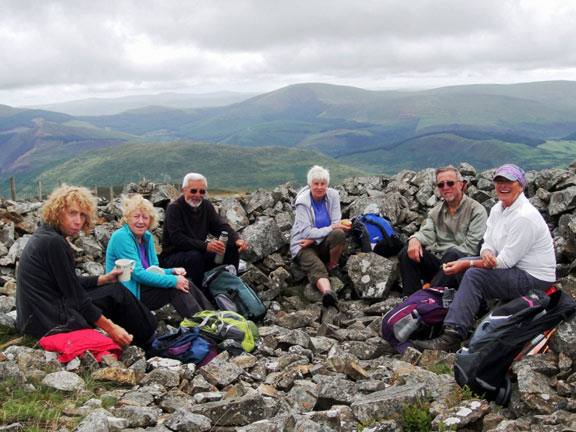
(231, 293)
(222, 325)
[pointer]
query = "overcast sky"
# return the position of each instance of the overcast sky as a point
(60, 50)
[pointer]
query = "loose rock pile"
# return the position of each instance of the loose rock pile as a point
(305, 375)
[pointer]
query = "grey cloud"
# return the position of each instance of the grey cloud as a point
(161, 44)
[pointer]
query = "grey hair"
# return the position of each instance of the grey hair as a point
(449, 168)
(318, 173)
(193, 176)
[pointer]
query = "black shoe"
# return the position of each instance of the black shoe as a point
(330, 299)
(448, 341)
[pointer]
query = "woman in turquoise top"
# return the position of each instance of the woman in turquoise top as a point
(153, 288)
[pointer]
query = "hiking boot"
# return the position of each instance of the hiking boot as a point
(330, 299)
(448, 341)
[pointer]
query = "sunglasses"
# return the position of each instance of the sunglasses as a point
(200, 191)
(450, 183)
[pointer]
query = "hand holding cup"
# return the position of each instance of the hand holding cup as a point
(126, 266)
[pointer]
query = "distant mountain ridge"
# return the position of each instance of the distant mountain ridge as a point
(532, 124)
(112, 106)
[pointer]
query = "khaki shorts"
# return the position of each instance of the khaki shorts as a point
(313, 257)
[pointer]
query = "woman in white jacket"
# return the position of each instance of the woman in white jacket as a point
(318, 232)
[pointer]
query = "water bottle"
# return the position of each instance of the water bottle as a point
(219, 258)
(404, 327)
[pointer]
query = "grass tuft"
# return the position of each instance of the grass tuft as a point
(460, 394)
(9, 335)
(416, 417)
(35, 409)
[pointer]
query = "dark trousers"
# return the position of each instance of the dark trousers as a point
(480, 284)
(123, 308)
(427, 270)
(186, 304)
(198, 262)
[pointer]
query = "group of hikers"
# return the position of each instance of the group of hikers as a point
(501, 256)
(51, 298)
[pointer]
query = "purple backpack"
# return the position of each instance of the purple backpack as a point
(420, 316)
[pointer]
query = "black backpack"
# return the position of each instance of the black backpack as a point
(499, 338)
(375, 233)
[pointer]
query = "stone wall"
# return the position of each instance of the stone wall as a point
(306, 374)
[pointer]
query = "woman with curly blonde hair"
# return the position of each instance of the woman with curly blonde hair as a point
(50, 298)
(64, 197)
(154, 288)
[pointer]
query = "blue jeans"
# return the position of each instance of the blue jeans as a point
(483, 284)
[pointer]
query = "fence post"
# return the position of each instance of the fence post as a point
(13, 188)
(111, 192)
(96, 191)
(39, 190)
(59, 183)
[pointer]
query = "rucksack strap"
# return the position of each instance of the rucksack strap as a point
(204, 326)
(213, 274)
(237, 298)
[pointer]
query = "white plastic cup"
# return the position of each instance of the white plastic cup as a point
(126, 265)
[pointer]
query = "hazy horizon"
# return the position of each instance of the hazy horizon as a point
(56, 51)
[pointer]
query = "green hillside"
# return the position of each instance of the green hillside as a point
(532, 124)
(35, 142)
(561, 94)
(226, 167)
(323, 108)
(444, 149)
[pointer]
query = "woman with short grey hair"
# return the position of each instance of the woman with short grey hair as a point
(318, 232)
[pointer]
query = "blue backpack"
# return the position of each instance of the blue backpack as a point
(185, 345)
(375, 233)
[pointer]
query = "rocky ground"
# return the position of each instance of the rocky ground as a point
(305, 375)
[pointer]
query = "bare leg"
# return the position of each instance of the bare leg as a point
(323, 285)
(335, 254)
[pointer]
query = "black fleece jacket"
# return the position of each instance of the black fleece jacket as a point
(187, 228)
(49, 295)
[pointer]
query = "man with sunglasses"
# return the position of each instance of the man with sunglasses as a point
(517, 256)
(187, 224)
(453, 229)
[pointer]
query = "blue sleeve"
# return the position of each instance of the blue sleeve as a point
(122, 246)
